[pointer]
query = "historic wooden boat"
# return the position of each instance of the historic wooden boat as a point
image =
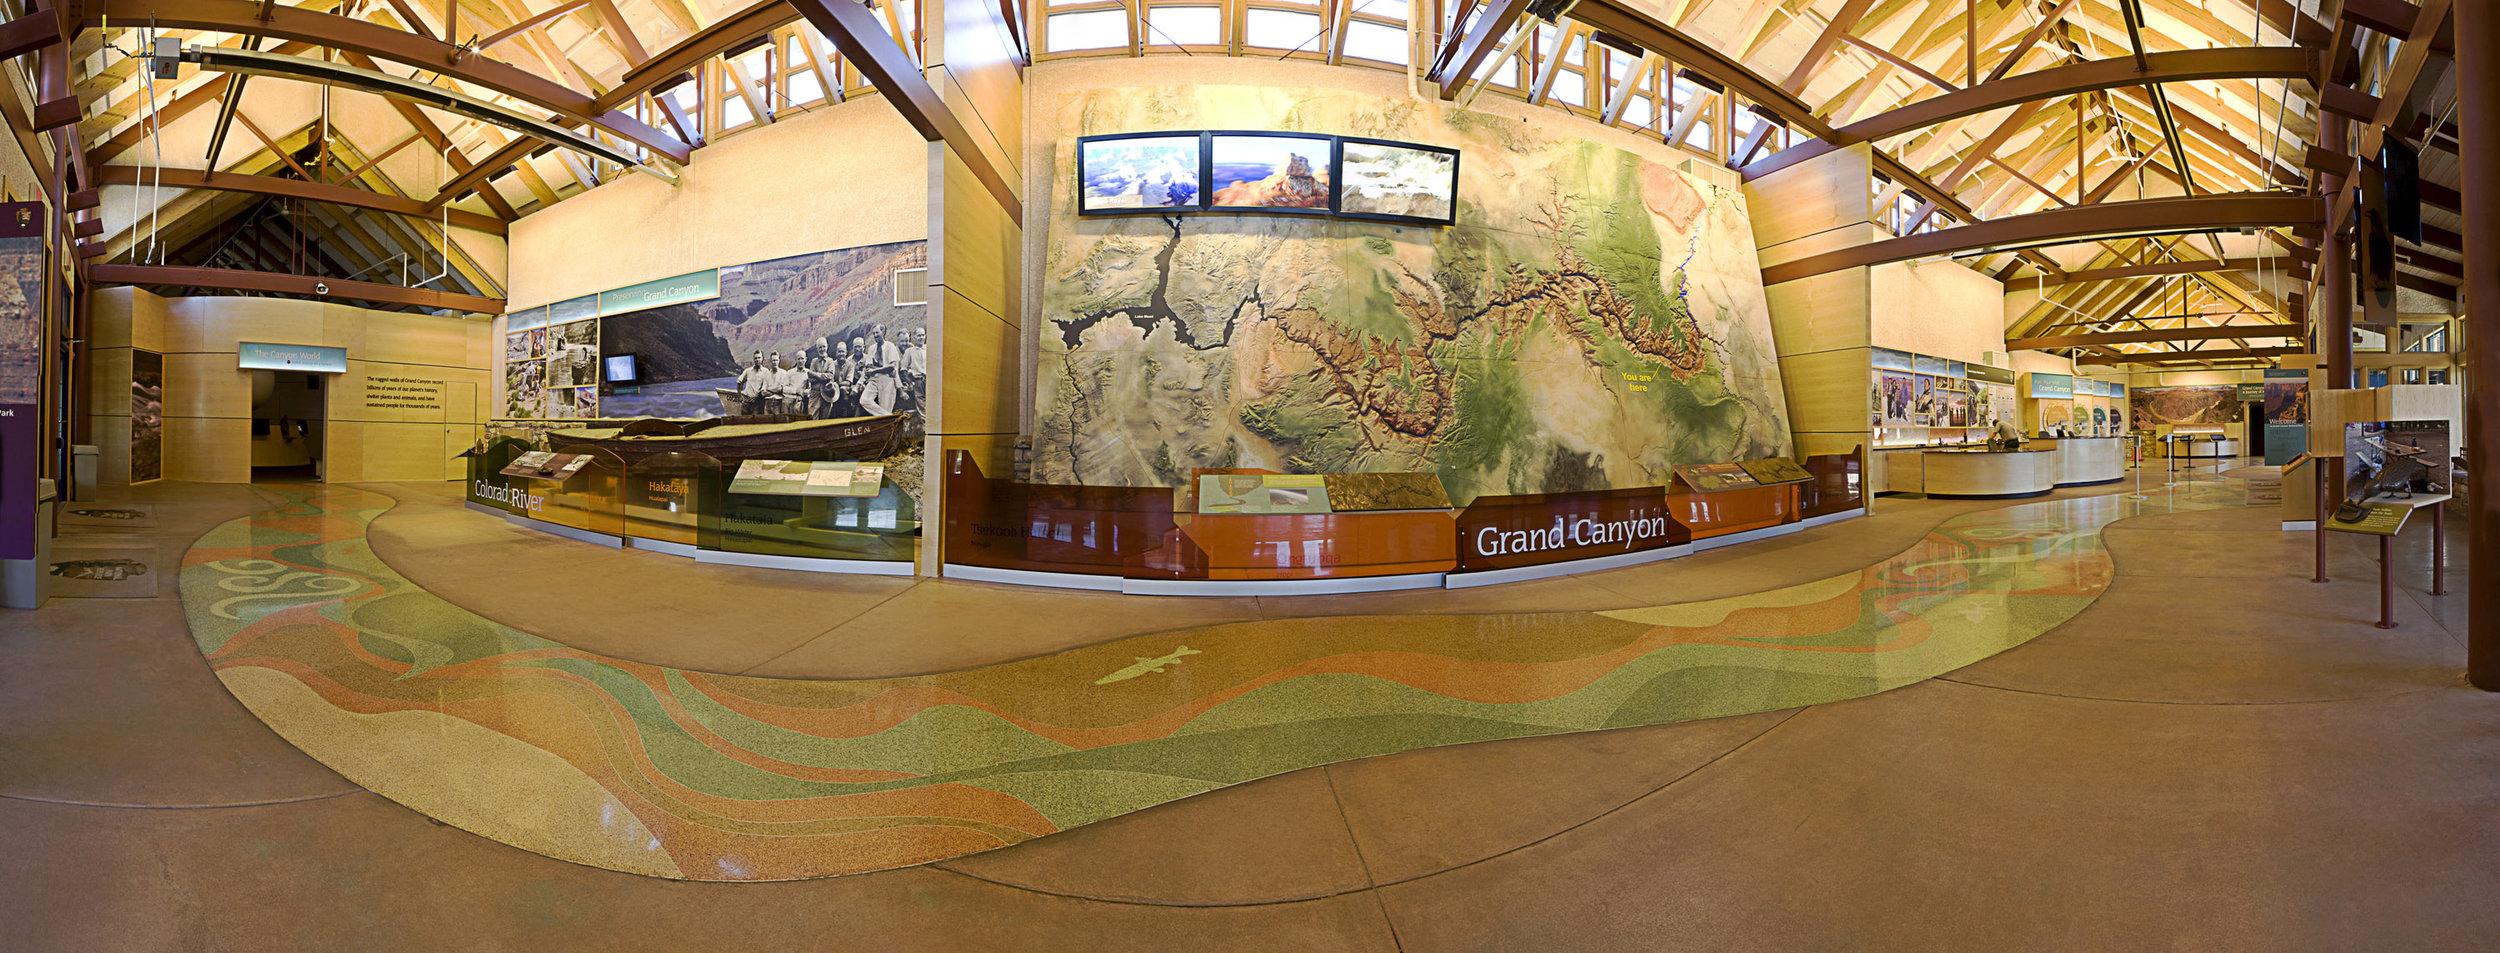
(850, 438)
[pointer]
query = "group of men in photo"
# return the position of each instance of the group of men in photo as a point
(865, 376)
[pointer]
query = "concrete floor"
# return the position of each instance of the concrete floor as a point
(2216, 755)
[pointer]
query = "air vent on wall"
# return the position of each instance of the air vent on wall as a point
(911, 286)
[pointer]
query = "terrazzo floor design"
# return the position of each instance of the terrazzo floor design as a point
(678, 773)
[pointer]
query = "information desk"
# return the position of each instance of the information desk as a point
(1990, 473)
(2083, 461)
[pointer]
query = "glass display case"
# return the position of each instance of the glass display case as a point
(814, 509)
(664, 493)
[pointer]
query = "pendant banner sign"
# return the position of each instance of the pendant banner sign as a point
(21, 373)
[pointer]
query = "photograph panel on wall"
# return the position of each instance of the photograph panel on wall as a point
(1396, 181)
(525, 390)
(2192, 404)
(573, 355)
(147, 416)
(2287, 400)
(572, 403)
(822, 335)
(1926, 403)
(1957, 408)
(1140, 173)
(1894, 393)
(1270, 172)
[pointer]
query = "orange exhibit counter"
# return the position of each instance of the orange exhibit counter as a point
(1130, 539)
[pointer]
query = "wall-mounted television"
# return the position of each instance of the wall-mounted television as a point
(1271, 172)
(1396, 181)
(1140, 173)
(623, 369)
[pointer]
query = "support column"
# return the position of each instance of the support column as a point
(2335, 289)
(2478, 119)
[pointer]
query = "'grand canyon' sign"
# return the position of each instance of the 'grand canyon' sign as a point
(1507, 532)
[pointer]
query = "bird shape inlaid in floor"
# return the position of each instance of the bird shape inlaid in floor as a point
(1147, 666)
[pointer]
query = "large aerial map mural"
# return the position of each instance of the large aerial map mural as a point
(1592, 320)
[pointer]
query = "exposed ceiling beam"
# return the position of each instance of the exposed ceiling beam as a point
(1821, 49)
(865, 44)
(1456, 62)
(296, 189)
(2177, 357)
(381, 42)
(2140, 271)
(231, 279)
(2163, 216)
(691, 52)
(2216, 333)
(2272, 62)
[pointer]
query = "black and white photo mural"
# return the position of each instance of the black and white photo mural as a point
(828, 335)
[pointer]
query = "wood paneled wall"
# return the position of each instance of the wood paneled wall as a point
(414, 394)
(1821, 326)
(976, 263)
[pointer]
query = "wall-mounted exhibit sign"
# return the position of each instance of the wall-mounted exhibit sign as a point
(2252, 390)
(1507, 532)
(403, 393)
(252, 356)
(2052, 386)
(1267, 172)
(21, 330)
(696, 286)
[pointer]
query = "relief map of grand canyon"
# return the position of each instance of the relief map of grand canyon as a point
(1593, 319)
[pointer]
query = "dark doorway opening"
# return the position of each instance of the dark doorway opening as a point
(289, 412)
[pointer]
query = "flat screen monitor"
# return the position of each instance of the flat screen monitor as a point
(622, 369)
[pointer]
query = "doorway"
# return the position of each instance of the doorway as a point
(290, 410)
(2256, 430)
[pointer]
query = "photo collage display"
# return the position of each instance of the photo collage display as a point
(1918, 399)
(551, 371)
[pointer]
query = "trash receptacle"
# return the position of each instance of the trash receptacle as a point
(82, 473)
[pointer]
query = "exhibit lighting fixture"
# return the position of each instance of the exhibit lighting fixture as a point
(245, 62)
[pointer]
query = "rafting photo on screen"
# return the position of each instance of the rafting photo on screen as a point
(1397, 181)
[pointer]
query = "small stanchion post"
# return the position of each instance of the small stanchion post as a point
(2386, 582)
(2439, 548)
(2320, 531)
